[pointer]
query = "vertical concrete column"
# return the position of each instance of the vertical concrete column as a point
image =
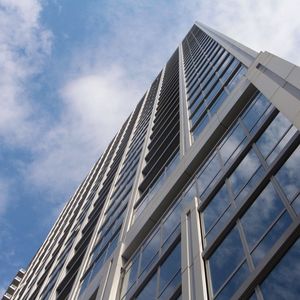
(192, 264)
(185, 136)
(109, 289)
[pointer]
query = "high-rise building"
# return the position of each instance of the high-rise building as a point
(14, 284)
(197, 195)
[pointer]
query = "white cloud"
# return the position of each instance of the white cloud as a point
(23, 45)
(270, 25)
(95, 105)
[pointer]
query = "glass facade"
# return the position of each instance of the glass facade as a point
(247, 197)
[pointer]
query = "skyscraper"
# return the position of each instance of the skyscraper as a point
(197, 195)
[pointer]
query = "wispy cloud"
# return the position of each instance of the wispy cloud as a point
(94, 105)
(24, 44)
(270, 25)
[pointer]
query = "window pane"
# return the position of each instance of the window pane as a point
(236, 78)
(273, 134)
(289, 175)
(213, 93)
(149, 291)
(225, 259)
(198, 113)
(171, 288)
(232, 144)
(216, 207)
(200, 127)
(215, 230)
(234, 283)
(283, 282)
(188, 195)
(256, 110)
(271, 238)
(230, 69)
(112, 245)
(261, 215)
(85, 282)
(169, 268)
(218, 102)
(150, 251)
(171, 227)
(243, 173)
(208, 174)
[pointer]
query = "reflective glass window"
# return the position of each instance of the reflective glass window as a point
(168, 270)
(271, 238)
(225, 259)
(208, 174)
(149, 291)
(150, 250)
(201, 125)
(283, 281)
(218, 102)
(289, 175)
(234, 283)
(236, 78)
(229, 70)
(171, 225)
(198, 113)
(213, 93)
(217, 211)
(261, 214)
(258, 219)
(253, 116)
(275, 137)
(245, 176)
(232, 144)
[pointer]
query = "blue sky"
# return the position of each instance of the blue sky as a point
(71, 72)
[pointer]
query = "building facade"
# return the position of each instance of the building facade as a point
(14, 285)
(197, 195)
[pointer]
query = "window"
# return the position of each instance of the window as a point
(264, 223)
(232, 144)
(283, 281)
(275, 137)
(149, 291)
(216, 213)
(166, 279)
(208, 174)
(252, 118)
(245, 176)
(170, 276)
(227, 267)
(150, 250)
(289, 176)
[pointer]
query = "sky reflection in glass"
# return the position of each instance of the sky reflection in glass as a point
(283, 282)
